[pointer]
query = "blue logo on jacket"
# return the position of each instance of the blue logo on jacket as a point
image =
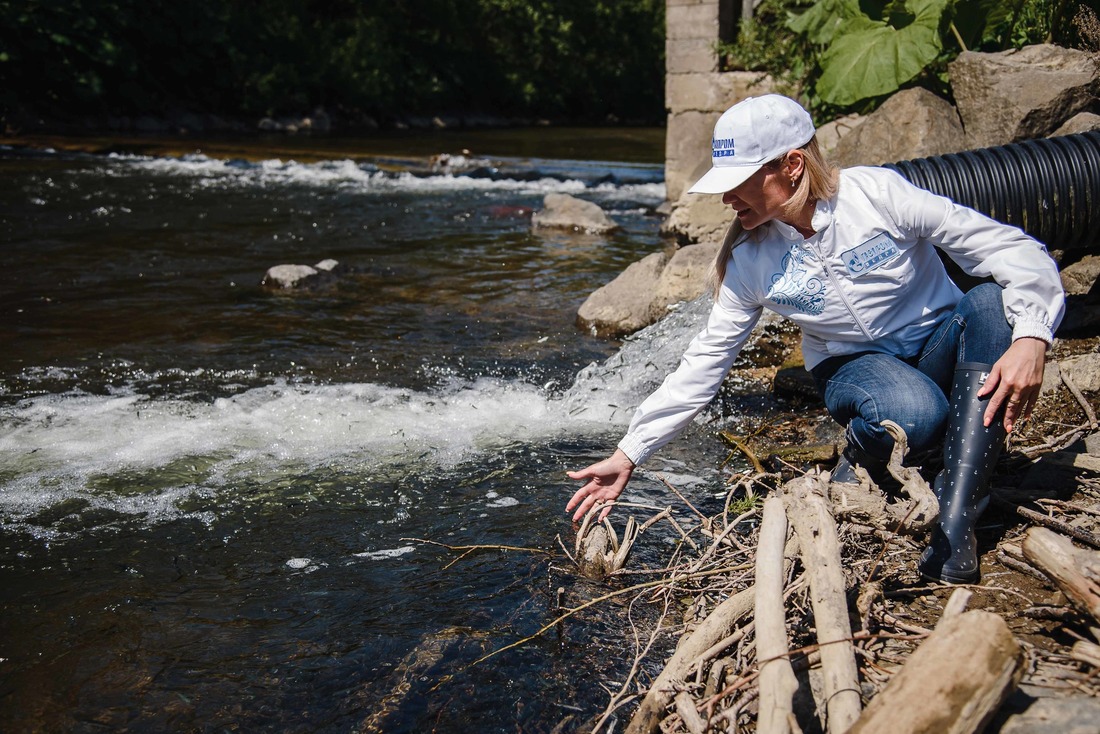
(871, 255)
(794, 288)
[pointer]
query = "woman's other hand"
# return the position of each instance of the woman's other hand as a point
(607, 479)
(1015, 381)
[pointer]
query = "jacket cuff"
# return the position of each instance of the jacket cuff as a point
(1032, 328)
(635, 450)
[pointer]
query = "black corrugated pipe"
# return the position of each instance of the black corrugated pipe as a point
(1048, 187)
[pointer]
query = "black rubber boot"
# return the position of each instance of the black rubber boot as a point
(970, 452)
(845, 470)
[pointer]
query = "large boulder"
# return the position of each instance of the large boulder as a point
(623, 305)
(684, 278)
(698, 218)
(831, 133)
(913, 123)
(647, 289)
(1021, 94)
(562, 211)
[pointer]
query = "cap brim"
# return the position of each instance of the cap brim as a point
(719, 180)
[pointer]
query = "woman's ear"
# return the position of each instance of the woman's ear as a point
(796, 164)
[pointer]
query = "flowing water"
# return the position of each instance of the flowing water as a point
(214, 497)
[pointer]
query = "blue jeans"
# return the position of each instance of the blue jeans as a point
(861, 390)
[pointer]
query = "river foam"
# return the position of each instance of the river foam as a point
(612, 181)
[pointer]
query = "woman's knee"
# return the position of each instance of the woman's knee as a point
(921, 411)
(982, 301)
(987, 333)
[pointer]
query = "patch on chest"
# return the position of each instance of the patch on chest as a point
(872, 254)
(795, 286)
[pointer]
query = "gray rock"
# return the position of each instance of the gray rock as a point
(1079, 278)
(287, 276)
(1083, 371)
(698, 218)
(830, 134)
(1052, 378)
(1016, 95)
(562, 211)
(1065, 715)
(1082, 122)
(684, 278)
(297, 276)
(623, 305)
(913, 123)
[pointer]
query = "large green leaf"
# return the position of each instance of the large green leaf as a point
(822, 22)
(877, 60)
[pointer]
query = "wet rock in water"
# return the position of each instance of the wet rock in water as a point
(562, 211)
(623, 306)
(288, 277)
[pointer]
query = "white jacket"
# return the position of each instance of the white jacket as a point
(868, 280)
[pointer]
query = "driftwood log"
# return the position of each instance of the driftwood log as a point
(953, 683)
(808, 510)
(715, 628)
(777, 680)
(1074, 570)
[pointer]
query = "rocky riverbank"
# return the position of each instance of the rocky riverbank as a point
(1031, 624)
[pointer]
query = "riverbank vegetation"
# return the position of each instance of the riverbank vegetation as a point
(575, 60)
(850, 55)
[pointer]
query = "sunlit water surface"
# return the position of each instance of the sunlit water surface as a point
(214, 497)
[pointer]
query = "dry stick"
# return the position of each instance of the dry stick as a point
(1043, 502)
(468, 549)
(777, 681)
(956, 604)
(1076, 392)
(808, 511)
(703, 518)
(714, 546)
(744, 449)
(716, 626)
(1056, 442)
(685, 706)
(1037, 517)
(1075, 571)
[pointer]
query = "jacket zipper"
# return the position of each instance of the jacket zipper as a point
(839, 291)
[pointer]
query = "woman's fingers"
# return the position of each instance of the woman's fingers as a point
(1014, 381)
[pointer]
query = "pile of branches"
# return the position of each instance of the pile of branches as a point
(808, 615)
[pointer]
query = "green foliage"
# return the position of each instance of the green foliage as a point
(567, 58)
(849, 55)
(869, 58)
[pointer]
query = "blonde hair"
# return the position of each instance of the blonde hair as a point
(819, 182)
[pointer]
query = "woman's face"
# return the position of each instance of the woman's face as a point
(760, 199)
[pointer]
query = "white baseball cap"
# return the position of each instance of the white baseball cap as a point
(753, 132)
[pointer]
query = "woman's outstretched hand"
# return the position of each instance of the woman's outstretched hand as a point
(607, 479)
(1015, 381)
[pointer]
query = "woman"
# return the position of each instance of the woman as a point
(849, 257)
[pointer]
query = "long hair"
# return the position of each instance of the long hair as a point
(820, 181)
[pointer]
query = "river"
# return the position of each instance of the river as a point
(214, 497)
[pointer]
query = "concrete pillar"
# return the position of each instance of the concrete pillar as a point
(696, 92)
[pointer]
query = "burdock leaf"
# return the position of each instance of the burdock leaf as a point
(873, 61)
